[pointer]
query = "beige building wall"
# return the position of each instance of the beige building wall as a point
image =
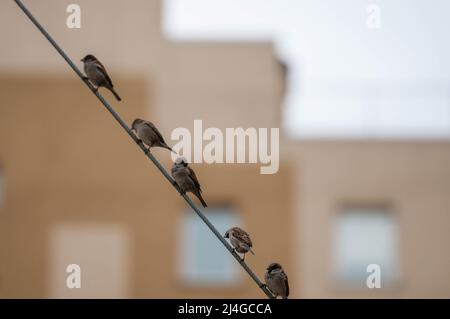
(413, 178)
(67, 162)
(127, 34)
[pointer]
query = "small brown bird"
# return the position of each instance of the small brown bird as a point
(96, 73)
(186, 179)
(240, 240)
(149, 134)
(277, 281)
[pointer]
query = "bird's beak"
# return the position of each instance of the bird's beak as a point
(82, 60)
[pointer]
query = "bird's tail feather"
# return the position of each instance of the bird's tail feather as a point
(115, 94)
(169, 148)
(251, 251)
(201, 199)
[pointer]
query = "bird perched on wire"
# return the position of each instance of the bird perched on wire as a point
(277, 281)
(240, 240)
(149, 134)
(96, 73)
(186, 178)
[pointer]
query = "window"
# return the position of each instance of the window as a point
(345, 80)
(102, 253)
(365, 236)
(202, 259)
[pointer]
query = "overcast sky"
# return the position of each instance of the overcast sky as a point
(347, 80)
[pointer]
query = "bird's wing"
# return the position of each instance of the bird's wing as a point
(153, 127)
(102, 69)
(194, 178)
(243, 236)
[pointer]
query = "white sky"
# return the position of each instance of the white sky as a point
(346, 80)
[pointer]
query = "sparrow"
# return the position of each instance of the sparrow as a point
(96, 73)
(277, 281)
(149, 134)
(185, 177)
(240, 240)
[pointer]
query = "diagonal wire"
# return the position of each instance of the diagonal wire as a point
(144, 149)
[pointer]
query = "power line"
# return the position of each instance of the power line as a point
(144, 149)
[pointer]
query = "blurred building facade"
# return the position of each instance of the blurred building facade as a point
(75, 190)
